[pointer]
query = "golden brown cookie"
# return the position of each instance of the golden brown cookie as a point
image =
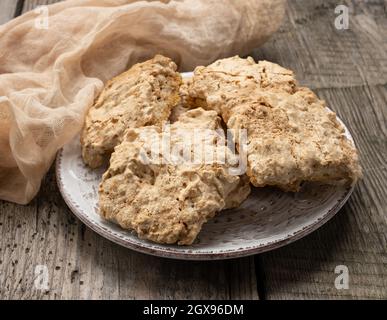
(291, 136)
(185, 103)
(168, 199)
(144, 95)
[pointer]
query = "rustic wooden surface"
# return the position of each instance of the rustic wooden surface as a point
(348, 68)
(8, 9)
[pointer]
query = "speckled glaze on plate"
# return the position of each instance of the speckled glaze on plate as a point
(267, 220)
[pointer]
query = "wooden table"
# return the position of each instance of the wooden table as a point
(348, 68)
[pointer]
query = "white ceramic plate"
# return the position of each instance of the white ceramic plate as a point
(268, 219)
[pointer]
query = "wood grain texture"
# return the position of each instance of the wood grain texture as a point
(348, 69)
(8, 9)
(83, 265)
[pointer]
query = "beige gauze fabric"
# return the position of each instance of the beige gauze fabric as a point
(50, 76)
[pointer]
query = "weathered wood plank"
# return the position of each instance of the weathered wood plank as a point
(348, 69)
(83, 265)
(8, 10)
(324, 57)
(356, 237)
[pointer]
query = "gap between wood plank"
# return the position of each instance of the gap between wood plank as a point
(19, 8)
(260, 277)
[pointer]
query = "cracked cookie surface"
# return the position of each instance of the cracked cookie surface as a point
(144, 95)
(185, 103)
(167, 198)
(291, 136)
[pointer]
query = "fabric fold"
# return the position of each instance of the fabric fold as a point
(54, 61)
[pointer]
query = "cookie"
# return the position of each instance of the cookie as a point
(291, 136)
(185, 103)
(142, 96)
(167, 197)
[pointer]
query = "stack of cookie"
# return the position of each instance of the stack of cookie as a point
(282, 133)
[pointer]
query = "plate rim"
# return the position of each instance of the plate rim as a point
(173, 254)
(203, 256)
